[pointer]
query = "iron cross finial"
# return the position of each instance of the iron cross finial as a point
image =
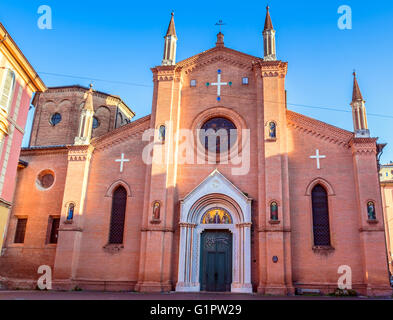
(220, 24)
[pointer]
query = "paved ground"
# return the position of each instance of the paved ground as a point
(94, 295)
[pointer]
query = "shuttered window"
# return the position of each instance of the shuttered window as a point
(320, 214)
(20, 231)
(7, 90)
(119, 200)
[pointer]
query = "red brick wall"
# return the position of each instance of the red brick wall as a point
(23, 260)
(337, 169)
(283, 174)
(68, 102)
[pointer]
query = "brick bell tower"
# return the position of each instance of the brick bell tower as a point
(371, 227)
(156, 264)
(274, 237)
(70, 229)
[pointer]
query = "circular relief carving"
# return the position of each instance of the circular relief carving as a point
(45, 179)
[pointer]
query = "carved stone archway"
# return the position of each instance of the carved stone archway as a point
(215, 192)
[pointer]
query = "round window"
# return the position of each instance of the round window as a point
(55, 119)
(96, 123)
(45, 179)
(218, 134)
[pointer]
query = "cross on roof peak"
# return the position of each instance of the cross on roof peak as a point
(220, 23)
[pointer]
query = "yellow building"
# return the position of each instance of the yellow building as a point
(386, 178)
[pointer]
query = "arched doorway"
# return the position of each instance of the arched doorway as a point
(216, 251)
(215, 234)
(216, 260)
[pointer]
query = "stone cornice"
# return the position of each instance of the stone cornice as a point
(274, 229)
(38, 150)
(187, 224)
(133, 129)
(386, 183)
(110, 100)
(364, 141)
(19, 61)
(271, 68)
(79, 152)
(215, 54)
(364, 145)
(220, 54)
(372, 229)
(160, 229)
(319, 129)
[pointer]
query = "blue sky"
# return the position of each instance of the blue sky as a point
(119, 41)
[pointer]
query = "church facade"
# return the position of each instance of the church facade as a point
(220, 188)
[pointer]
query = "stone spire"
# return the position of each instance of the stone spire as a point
(86, 120)
(356, 94)
(170, 44)
(359, 111)
(268, 21)
(269, 39)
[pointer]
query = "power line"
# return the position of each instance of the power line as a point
(249, 98)
(95, 79)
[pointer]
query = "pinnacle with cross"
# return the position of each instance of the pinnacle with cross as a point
(220, 36)
(220, 24)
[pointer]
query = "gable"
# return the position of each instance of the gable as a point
(218, 54)
(133, 129)
(319, 129)
(216, 184)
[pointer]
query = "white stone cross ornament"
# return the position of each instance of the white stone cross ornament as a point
(122, 160)
(219, 84)
(317, 156)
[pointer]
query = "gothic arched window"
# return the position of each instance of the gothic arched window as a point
(7, 89)
(119, 200)
(218, 135)
(320, 216)
(70, 212)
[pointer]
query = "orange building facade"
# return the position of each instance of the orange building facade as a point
(220, 188)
